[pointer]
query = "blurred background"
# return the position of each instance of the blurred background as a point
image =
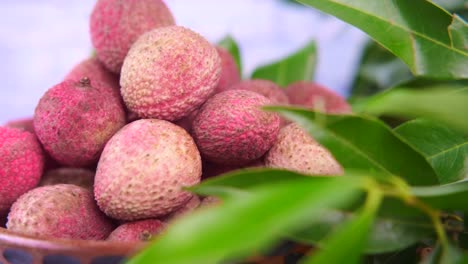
(41, 40)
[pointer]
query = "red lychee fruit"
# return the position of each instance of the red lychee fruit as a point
(232, 129)
(75, 119)
(59, 211)
(143, 168)
(22, 164)
(143, 230)
(317, 97)
(168, 73)
(116, 24)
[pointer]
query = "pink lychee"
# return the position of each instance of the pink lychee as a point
(319, 98)
(168, 73)
(22, 164)
(229, 72)
(74, 120)
(143, 168)
(59, 211)
(116, 24)
(143, 230)
(231, 128)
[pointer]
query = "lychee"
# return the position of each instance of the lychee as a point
(143, 168)
(231, 128)
(74, 120)
(317, 97)
(22, 164)
(143, 230)
(116, 24)
(78, 176)
(296, 150)
(168, 73)
(59, 211)
(266, 88)
(229, 72)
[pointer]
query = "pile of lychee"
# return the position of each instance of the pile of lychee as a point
(158, 108)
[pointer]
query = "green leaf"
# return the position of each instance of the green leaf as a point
(248, 223)
(415, 31)
(364, 143)
(348, 242)
(452, 196)
(299, 66)
(445, 149)
(450, 4)
(386, 235)
(379, 70)
(458, 31)
(442, 105)
(449, 255)
(231, 45)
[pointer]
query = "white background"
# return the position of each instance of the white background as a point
(41, 40)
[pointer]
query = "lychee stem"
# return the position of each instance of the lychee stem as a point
(85, 81)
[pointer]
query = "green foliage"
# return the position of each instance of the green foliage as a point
(444, 148)
(231, 45)
(299, 66)
(415, 31)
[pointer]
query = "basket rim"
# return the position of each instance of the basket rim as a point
(10, 239)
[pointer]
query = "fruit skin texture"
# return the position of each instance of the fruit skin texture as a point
(59, 211)
(116, 24)
(229, 72)
(296, 150)
(143, 230)
(78, 176)
(168, 73)
(143, 168)
(22, 164)
(232, 129)
(187, 208)
(313, 95)
(75, 119)
(264, 87)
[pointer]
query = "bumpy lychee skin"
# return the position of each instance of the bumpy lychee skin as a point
(231, 128)
(187, 208)
(78, 176)
(143, 168)
(229, 72)
(25, 124)
(22, 164)
(315, 96)
(168, 73)
(59, 211)
(75, 119)
(116, 24)
(137, 231)
(264, 87)
(296, 150)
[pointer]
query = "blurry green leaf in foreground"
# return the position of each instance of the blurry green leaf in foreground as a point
(442, 105)
(416, 31)
(444, 148)
(379, 70)
(249, 223)
(347, 243)
(387, 234)
(299, 66)
(231, 45)
(459, 33)
(363, 143)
